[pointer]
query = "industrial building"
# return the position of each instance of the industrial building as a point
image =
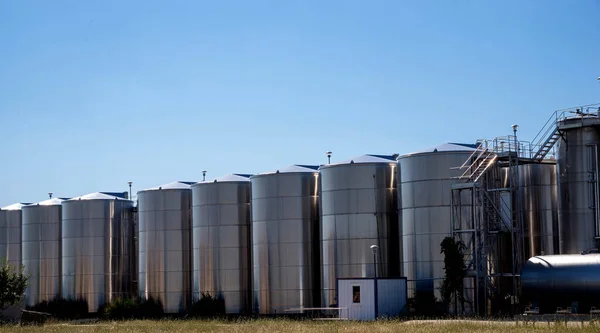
(359, 221)
(11, 219)
(285, 239)
(42, 247)
(98, 259)
(371, 298)
(527, 212)
(222, 229)
(165, 245)
(426, 214)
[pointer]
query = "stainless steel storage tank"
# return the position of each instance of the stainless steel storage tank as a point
(10, 236)
(538, 194)
(359, 209)
(285, 239)
(579, 204)
(165, 245)
(559, 280)
(42, 247)
(222, 224)
(97, 248)
(425, 199)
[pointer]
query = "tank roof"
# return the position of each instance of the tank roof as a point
(367, 159)
(446, 147)
(98, 196)
(49, 202)
(15, 206)
(295, 168)
(176, 185)
(234, 177)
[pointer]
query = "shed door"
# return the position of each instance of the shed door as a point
(359, 297)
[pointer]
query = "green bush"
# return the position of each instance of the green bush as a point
(13, 283)
(133, 308)
(63, 308)
(208, 306)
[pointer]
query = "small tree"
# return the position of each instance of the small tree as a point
(455, 269)
(12, 284)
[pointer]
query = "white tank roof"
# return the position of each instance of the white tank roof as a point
(234, 177)
(15, 206)
(177, 185)
(367, 158)
(50, 202)
(296, 168)
(446, 147)
(97, 196)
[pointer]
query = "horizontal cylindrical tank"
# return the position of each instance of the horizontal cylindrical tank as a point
(165, 245)
(10, 234)
(559, 280)
(579, 191)
(359, 209)
(42, 247)
(425, 199)
(222, 224)
(97, 248)
(285, 239)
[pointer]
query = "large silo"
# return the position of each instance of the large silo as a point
(539, 207)
(285, 239)
(10, 236)
(222, 223)
(165, 245)
(42, 250)
(579, 198)
(424, 185)
(359, 209)
(97, 248)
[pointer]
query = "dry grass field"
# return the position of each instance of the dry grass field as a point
(272, 326)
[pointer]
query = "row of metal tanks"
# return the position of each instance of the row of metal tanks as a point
(265, 243)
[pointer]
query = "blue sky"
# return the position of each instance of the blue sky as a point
(96, 93)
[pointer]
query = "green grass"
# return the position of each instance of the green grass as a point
(288, 326)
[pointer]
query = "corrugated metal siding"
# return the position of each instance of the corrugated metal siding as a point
(391, 297)
(365, 310)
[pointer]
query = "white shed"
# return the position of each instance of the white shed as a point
(371, 298)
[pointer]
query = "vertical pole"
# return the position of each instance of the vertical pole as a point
(520, 235)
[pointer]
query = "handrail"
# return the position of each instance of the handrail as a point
(490, 163)
(543, 133)
(473, 164)
(481, 142)
(550, 126)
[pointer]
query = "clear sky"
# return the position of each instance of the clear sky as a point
(96, 93)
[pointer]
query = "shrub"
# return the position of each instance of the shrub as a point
(150, 309)
(12, 284)
(63, 308)
(208, 306)
(133, 308)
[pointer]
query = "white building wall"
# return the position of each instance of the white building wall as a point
(365, 308)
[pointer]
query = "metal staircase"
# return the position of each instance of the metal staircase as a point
(490, 218)
(547, 145)
(550, 132)
(479, 162)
